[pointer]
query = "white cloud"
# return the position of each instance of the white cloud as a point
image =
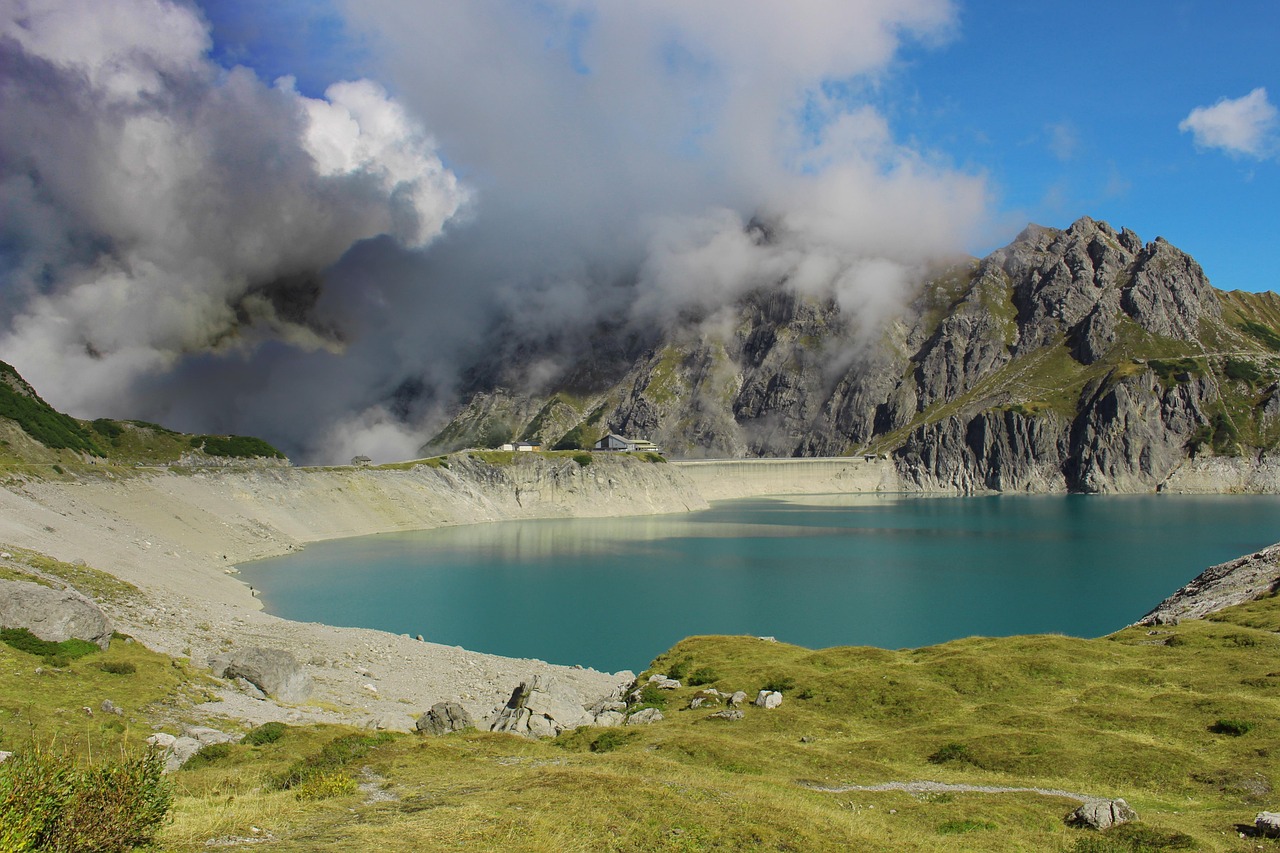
(158, 206)
(1240, 126)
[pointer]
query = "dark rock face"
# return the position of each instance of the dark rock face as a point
(275, 672)
(1035, 368)
(54, 615)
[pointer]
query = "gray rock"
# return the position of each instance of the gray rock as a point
(609, 719)
(275, 672)
(1268, 824)
(731, 714)
(737, 698)
(645, 717)
(541, 707)
(768, 699)
(54, 615)
(163, 740)
(208, 736)
(247, 687)
(180, 752)
(5, 756)
(664, 683)
(444, 717)
(109, 707)
(1101, 814)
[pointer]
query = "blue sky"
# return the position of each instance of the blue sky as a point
(1066, 111)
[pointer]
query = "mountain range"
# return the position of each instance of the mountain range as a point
(1081, 359)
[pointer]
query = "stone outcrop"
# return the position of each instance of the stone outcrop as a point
(275, 672)
(1102, 814)
(541, 707)
(443, 718)
(1220, 586)
(54, 615)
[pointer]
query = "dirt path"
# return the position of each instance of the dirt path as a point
(923, 787)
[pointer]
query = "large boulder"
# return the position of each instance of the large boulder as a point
(1268, 824)
(541, 707)
(1101, 814)
(444, 717)
(52, 614)
(275, 672)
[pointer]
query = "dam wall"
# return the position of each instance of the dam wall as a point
(723, 479)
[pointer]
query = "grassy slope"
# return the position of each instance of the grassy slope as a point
(35, 437)
(1129, 715)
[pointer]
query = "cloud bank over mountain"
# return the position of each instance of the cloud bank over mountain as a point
(184, 241)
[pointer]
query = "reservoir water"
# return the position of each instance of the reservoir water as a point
(887, 571)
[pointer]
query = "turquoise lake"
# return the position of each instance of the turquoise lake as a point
(887, 571)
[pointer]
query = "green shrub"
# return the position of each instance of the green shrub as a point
(107, 428)
(324, 786)
(610, 739)
(1175, 370)
(1262, 333)
(583, 459)
(1234, 728)
(66, 651)
(118, 667)
(678, 669)
(48, 803)
(704, 675)
(57, 469)
(651, 696)
(952, 752)
(1245, 371)
(778, 683)
(208, 755)
(236, 446)
(332, 756)
(265, 734)
(654, 457)
(575, 439)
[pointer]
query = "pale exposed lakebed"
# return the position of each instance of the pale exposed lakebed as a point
(888, 571)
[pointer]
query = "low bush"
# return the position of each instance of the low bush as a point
(610, 739)
(952, 752)
(332, 757)
(704, 675)
(1244, 371)
(778, 683)
(678, 669)
(583, 459)
(66, 651)
(49, 803)
(1262, 333)
(118, 667)
(324, 786)
(651, 696)
(265, 734)
(208, 755)
(1234, 728)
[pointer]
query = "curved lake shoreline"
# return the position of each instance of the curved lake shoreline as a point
(890, 571)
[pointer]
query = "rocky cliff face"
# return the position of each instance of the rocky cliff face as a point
(1078, 359)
